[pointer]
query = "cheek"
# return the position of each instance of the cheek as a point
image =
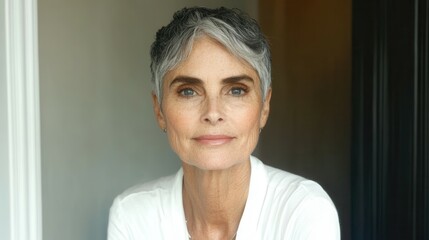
(177, 115)
(179, 127)
(249, 129)
(248, 114)
(176, 120)
(247, 121)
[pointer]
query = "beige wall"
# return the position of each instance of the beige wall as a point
(308, 131)
(99, 135)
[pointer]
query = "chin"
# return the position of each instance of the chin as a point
(215, 162)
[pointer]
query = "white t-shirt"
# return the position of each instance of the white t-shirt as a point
(280, 205)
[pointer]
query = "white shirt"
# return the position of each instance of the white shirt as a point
(280, 205)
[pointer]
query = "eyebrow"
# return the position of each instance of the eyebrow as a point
(186, 79)
(235, 79)
(228, 80)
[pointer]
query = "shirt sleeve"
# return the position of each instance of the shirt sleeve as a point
(117, 226)
(316, 219)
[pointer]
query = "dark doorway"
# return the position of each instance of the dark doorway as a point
(390, 137)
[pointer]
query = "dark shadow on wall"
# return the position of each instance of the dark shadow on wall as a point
(308, 132)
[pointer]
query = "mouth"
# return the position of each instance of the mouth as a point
(213, 140)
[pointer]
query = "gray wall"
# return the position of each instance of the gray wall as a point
(98, 131)
(4, 166)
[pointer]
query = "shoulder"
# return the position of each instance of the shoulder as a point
(295, 192)
(283, 183)
(286, 185)
(300, 206)
(143, 198)
(149, 189)
(140, 210)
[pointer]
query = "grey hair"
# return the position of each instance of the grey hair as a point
(235, 30)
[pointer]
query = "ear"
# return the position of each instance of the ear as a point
(265, 109)
(158, 112)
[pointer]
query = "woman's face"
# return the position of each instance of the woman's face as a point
(212, 107)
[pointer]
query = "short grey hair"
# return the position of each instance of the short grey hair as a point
(235, 30)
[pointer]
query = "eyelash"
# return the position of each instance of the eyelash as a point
(182, 91)
(243, 91)
(189, 92)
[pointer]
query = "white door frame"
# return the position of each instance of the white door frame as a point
(22, 80)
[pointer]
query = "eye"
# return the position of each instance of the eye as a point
(237, 91)
(187, 92)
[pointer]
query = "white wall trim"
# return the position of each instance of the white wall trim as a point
(23, 119)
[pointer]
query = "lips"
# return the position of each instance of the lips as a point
(213, 140)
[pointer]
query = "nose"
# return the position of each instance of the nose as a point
(212, 111)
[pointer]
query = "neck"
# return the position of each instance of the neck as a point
(214, 201)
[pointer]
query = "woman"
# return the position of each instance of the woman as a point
(211, 69)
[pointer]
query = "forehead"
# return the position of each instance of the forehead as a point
(209, 59)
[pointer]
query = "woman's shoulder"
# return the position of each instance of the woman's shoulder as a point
(284, 182)
(283, 188)
(142, 209)
(301, 206)
(149, 191)
(288, 189)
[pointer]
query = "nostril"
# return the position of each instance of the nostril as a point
(213, 120)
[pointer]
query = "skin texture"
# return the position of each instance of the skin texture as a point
(212, 110)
